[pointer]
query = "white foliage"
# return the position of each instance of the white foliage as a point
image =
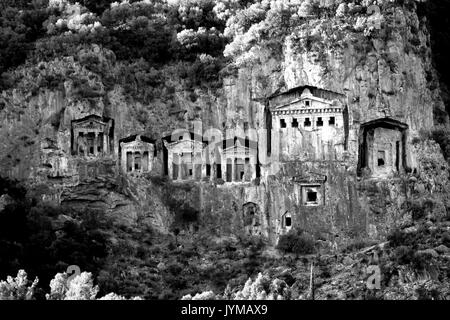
(17, 288)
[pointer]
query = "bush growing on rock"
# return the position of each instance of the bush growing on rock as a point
(403, 255)
(397, 237)
(442, 136)
(420, 208)
(296, 241)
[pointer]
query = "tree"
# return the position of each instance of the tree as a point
(18, 288)
(296, 241)
(263, 288)
(207, 295)
(81, 287)
(20, 26)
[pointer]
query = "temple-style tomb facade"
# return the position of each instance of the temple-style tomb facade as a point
(184, 157)
(137, 154)
(239, 160)
(92, 136)
(382, 146)
(310, 123)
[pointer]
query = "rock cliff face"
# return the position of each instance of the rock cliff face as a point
(380, 73)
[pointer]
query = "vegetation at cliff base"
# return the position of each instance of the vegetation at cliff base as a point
(45, 240)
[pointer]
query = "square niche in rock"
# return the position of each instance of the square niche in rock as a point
(312, 195)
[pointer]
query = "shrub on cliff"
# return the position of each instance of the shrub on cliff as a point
(442, 136)
(296, 241)
(419, 261)
(420, 208)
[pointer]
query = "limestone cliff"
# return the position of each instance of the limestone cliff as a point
(380, 63)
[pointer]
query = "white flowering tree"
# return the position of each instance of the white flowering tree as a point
(81, 287)
(263, 288)
(18, 288)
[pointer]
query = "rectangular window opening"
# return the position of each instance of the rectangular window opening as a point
(311, 196)
(319, 122)
(381, 158)
(332, 121)
(307, 122)
(218, 171)
(288, 221)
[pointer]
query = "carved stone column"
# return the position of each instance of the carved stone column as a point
(233, 169)
(193, 165)
(140, 157)
(253, 164)
(95, 143)
(180, 166)
(145, 161)
(105, 144)
(75, 140)
(124, 158)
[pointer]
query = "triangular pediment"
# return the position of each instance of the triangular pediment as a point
(300, 104)
(137, 144)
(89, 122)
(237, 148)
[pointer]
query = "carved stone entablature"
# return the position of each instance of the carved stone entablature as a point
(288, 111)
(310, 178)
